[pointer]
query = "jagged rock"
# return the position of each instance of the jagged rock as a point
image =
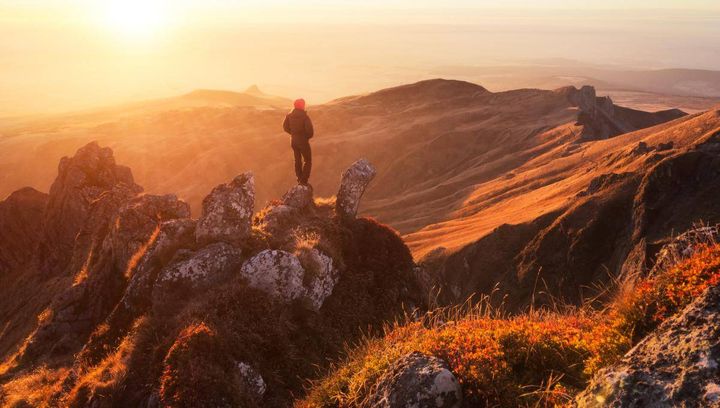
(81, 180)
(191, 273)
(173, 235)
(299, 196)
(320, 276)
(252, 379)
(352, 186)
(138, 220)
(684, 246)
(416, 380)
(677, 365)
(21, 216)
(227, 212)
(276, 272)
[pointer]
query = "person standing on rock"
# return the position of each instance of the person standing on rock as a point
(299, 126)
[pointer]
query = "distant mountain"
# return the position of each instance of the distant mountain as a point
(686, 88)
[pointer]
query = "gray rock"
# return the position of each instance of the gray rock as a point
(276, 272)
(138, 220)
(283, 275)
(173, 236)
(299, 196)
(192, 272)
(675, 366)
(320, 277)
(416, 380)
(352, 186)
(227, 212)
(251, 379)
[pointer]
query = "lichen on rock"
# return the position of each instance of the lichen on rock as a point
(352, 186)
(227, 212)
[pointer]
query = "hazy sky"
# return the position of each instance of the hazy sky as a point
(60, 55)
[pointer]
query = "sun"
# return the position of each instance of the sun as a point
(136, 19)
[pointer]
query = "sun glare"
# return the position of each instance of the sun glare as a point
(137, 19)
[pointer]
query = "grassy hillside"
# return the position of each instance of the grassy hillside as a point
(540, 358)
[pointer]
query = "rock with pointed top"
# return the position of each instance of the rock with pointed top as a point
(227, 212)
(81, 181)
(352, 186)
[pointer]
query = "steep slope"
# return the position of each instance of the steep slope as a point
(433, 142)
(579, 214)
(123, 299)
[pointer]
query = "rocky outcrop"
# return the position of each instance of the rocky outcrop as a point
(191, 273)
(81, 181)
(227, 212)
(677, 365)
(299, 196)
(416, 380)
(138, 220)
(600, 118)
(352, 186)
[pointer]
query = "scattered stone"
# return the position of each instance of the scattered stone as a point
(299, 196)
(675, 366)
(416, 380)
(352, 186)
(252, 379)
(227, 212)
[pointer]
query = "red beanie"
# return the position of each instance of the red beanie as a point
(299, 104)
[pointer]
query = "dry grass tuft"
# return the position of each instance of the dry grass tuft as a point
(35, 389)
(538, 359)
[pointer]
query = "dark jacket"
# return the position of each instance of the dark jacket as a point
(299, 126)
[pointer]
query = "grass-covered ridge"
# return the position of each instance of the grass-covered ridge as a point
(535, 359)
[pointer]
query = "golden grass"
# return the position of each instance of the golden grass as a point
(35, 389)
(541, 358)
(135, 258)
(104, 377)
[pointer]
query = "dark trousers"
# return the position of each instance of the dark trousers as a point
(303, 161)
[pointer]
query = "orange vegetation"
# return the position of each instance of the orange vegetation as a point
(535, 359)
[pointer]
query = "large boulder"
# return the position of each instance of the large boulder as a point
(352, 186)
(299, 196)
(416, 380)
(191, 273)
(227, 212)
(286, 276)
(678, 365)
(276, 272)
